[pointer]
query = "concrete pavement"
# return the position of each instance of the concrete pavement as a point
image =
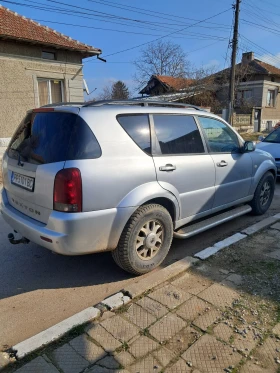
(39, 289)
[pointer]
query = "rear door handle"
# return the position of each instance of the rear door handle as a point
(222, 164)
(167, 167)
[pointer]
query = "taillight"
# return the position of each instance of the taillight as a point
(67, 194)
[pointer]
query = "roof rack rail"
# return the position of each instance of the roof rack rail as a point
(64, 104)
(142, 103)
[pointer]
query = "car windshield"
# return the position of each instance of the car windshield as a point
(273, 137)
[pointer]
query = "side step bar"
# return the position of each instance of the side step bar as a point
(203, 225)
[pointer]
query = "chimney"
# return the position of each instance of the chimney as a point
(247, 58)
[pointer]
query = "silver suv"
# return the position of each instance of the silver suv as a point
(125, 176)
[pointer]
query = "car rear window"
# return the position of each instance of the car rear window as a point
(53, 137)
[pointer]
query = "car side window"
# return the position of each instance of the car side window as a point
(138, 128)
(220, 137)
(178, 134)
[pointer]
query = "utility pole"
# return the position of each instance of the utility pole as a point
(233, 61)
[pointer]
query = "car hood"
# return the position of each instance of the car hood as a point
(273, 149)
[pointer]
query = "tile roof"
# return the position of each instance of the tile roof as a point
(14, 26)
(174, 83)
(269, 68)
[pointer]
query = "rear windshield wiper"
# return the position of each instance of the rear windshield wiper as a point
(19, 157)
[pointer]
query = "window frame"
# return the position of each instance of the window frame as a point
(149, 123)
(206, 138)
(156, 150)
(48, 52)
(49, 80)
(274, 98)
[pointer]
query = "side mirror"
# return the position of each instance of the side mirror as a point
(249, 146)
(260, 138)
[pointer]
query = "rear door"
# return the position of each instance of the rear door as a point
(38, 150)
(234, 169)
(183, 163)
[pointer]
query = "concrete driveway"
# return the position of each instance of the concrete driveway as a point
(39, 289)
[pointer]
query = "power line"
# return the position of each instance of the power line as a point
(165, 36)
(153, 13)
(70, 13)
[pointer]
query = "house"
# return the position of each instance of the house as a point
(160, 84)
(257, 100)
(38, 66)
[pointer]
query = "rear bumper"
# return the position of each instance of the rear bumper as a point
(71, 234)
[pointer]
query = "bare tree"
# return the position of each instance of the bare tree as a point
(106, 93)
(161, 58)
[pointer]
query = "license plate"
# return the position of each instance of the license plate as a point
(23, 181)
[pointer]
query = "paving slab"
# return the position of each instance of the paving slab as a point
(38, 365)
(192, 284)
(142, 346)
(103, 337)
(245, 342)
(99, 369)
(183, 340)
(167, 327)
(221, 296)
(223, 331)
(120, 328)
(211, 356)
(68, 360)
(109, 362)
(153, 307)
(164, 356)
(192, 308)
(179, 367)
(170, 296)
(147, 365)
(138, 316)
(267, 353)
(87, 348)
(207, 319)
(251, 367)
(124, 358)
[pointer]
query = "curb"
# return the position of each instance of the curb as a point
(123, 297)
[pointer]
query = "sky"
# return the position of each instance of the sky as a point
(119, 27)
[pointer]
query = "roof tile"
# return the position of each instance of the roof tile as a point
(14, 26)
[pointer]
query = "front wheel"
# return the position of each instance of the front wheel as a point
(145, 240)
(263, 194)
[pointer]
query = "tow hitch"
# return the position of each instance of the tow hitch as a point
(12, 240)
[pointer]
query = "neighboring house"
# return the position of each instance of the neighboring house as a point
(257, 103)
(159, 84)
(38, 66)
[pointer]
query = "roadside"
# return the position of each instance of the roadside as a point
(252, 136)
(34, 295)
(223, 315)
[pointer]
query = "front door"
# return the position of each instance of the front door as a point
(183, 165)
(234, 169)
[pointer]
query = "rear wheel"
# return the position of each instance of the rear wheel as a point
(263, 194)
(145, 240)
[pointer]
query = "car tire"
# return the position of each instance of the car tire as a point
(263, 194)
(145, 240)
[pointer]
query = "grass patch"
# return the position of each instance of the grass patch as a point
(254, 136)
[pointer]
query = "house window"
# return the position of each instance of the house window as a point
(244, 96)
(50, 91)
(270, 100)
(48, 55)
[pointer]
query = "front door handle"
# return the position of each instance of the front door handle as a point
(167, 167)
(222, 164)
